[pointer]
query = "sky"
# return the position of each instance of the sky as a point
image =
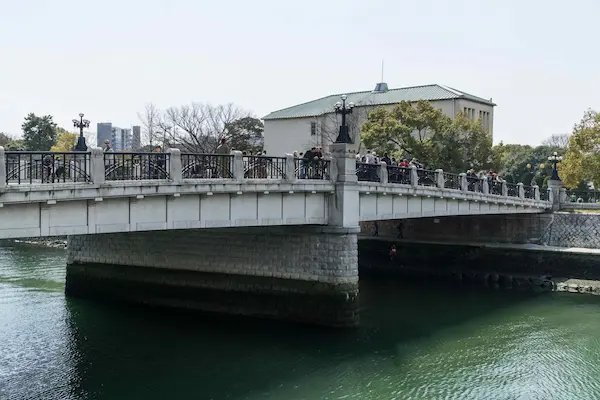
(107, 59)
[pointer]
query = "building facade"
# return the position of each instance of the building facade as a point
(314, 123)
(136, 142)
(121, 139)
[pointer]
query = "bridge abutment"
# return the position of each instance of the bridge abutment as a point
(298, 273)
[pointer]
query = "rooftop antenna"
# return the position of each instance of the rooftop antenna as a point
(381, 70)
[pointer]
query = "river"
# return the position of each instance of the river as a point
(415, 342)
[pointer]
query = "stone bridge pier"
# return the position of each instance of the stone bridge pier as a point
(298, 273)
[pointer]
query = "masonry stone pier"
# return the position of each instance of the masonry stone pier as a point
(298, 273)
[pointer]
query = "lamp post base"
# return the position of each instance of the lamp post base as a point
(343, 136)
(81, 146)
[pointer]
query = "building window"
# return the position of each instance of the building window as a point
(313, 128)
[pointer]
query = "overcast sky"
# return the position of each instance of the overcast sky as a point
(537, 59)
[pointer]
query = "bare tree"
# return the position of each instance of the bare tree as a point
(198, 127)
(150, 120)
(560, 140)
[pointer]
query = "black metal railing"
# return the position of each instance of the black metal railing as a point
(583, 196)
(206, 166)
(367, 172)
(398, 174)
(544, 195)
(495, 187)
(529, 192)
(136, 166)
(264, 167)
(512, 189)
(46, 167)
(426, 177)
(312, 169)
(474, 184)
(451, 181)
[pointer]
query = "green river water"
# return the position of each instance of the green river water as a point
(415, 342)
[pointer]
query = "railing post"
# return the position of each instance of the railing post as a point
(536, 192)
(290, 168)
(238, 165)
(562, 195)
(383, 172)
(462, 180)
(485, 186)
(97, 166)
(550, 195)
(521, 190)
(439, 178)
(175, 167)
(504, 189)
(2, 167)
(414, 176)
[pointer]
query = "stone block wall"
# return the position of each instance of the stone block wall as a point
(573, 230)
(518, 228)
(308, 274)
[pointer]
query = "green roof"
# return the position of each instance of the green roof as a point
(324, 105)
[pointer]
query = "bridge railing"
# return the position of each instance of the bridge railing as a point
(39, 167)
(136, 166)
(206, 166)
(312, 169)
(416, 177)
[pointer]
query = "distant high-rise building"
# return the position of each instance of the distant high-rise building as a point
(136, 143)
(120, 138)
(104, 132)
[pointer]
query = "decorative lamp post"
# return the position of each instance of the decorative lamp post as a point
(555, 159)
(81, 123)
(342, 108)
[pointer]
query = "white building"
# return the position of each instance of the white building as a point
(314, 123)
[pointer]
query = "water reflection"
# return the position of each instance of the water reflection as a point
(415, 342)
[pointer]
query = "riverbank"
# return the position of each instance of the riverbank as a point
(496, 265)
(57, 242)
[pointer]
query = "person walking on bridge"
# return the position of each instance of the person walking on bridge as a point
(223, 159)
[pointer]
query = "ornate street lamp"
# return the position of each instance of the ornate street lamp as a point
(342, 108)
(555, 159)
(81, 123)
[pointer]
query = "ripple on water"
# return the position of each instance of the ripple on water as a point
(417, 343)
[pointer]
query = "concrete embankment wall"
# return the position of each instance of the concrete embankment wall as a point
(305, 274)
(552, 229)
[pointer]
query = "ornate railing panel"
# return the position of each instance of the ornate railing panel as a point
(206, 166)
(495, 187)
(136, 166)
(474, 184)
(264, 167)
(426, 177)
(529, 192)
(451, 181)
(43, 167)
(398, 174)
(512, 189)
(544, 195)
(312, 169)
(367, 172)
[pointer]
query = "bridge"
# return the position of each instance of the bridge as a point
(278, 235)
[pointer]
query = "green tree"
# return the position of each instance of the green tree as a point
(5, 139)
(245, 134)
(15, 145)
(424, 132)
(39, 133)
(582, 160)
(65, 141)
